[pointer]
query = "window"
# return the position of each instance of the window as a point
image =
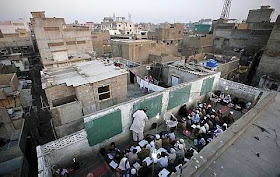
(65, 100)
(179, 32)
(81, 42)
(104, 92)
(55, 44)
(71, 43)
(130, 25)
(51, 28)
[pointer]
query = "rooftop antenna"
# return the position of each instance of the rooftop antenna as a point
(226, 9)
(114, 16)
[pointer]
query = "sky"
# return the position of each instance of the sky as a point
(155, 11)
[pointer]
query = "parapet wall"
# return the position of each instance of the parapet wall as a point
(119, 118)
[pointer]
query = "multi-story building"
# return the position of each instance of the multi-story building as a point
(261, 15)
(251, 36)
(140, 50)
(73, 92)
(194, 44)
(167, 33)
(15, 44)
(60, 44)
(101, 42)
(118, 26)
(268, 67)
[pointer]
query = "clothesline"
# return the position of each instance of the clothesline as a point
(148, 85)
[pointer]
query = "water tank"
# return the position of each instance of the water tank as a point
(211, 63)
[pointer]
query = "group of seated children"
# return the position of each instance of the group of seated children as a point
(163, 151)
(219, 97)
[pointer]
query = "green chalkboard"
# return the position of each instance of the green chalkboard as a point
(207, 86)
(179, 96)
(154, 105)
(104, 127)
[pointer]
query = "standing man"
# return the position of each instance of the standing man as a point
(138, 124)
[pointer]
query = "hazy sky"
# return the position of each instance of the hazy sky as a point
(155, 11)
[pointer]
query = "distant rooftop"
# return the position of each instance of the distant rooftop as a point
(134, 41)
(84, 73)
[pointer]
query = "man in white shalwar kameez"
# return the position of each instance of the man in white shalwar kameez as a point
(138, 124)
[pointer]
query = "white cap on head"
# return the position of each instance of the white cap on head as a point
(197, 111)
(157, 136)
(133, 171)
(148, 146)
(180, 146)
(189, 117)
(152, 143)
(181, 141)
(209, 106)
(212, 116)
(207, 115)
(213, 110)
(193, 126)
(231, 112)
(172, 150)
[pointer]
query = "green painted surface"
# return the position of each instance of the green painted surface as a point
(202, 28)
(179, 97)
(154, 105)
(104, 127)
(207, 86)
(11, 165)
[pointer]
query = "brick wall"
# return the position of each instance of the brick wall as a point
(59, 92)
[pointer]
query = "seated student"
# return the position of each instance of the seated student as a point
(224, 127)
(171, 135)
(124, 166)
(144, 171)
(163, 160)
(153, 147)
(113, 149)
(196, 117)
(145, 152)
(165, 141)
(158, 141)
(118, 157)
(132, 156)
(172, 156)
(183, 111)
(182, 141)
(209, 109)
(227, 100)
(180, 152)
(230, 117)
(188, 156)
(133, 172)
(218, 130)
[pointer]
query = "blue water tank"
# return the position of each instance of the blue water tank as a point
(211, 63)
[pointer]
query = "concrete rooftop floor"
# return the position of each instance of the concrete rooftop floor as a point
(256, 152)
(134, 91)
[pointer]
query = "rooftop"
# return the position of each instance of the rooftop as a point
(130, 41)
(256, 152)
(80, 74)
